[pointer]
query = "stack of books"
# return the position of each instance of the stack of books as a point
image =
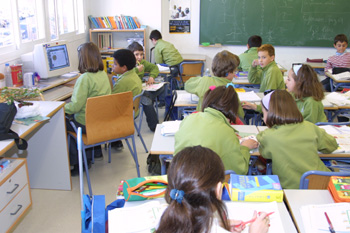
(117, 22)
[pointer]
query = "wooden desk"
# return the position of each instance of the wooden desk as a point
(47, 152)
(295, 198)
(316, 65)
(338, 82)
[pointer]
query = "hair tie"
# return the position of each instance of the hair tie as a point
(177, 195)
(212, 87)
(230, 84)
(266, 100)
(296, 68)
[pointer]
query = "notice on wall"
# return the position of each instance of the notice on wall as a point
(180, 16)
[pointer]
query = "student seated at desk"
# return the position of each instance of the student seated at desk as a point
(148, 97)
(290, 142)
(194, 193)
(247, 58)
(224, 67)
(92, 82)
(269, 76)
(211, 128)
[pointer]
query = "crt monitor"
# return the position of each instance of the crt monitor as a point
(49, 59)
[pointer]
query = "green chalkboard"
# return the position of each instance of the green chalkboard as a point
(278, 22)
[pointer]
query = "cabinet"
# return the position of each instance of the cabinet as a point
(15, 197)
(110, 40)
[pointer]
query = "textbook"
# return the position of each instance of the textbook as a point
(339, 187)
(264, 188)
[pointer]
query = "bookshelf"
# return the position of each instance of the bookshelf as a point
(109, 40)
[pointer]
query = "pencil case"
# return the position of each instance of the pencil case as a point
(143, 188)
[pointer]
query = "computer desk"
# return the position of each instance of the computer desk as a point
(47, 152)
(296, 198)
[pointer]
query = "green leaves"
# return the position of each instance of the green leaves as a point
(9, 95)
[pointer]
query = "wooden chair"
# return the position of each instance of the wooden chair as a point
(138, 112)
(318, 179)
(190, 69)
(109, 118)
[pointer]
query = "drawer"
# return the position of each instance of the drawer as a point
(14, 209)
(12, 186)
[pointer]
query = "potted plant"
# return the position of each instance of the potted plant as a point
(20, 95)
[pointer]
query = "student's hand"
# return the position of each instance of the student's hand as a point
(255, 63)
(250, 143)
(150, 81)
(140, 68)
(248, 105)
(236, 226)
(261, 223)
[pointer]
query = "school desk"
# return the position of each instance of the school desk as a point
(47, 154)
(316, 65)
(338, 83)
(185, 101)
(295, 198)
(194, 57)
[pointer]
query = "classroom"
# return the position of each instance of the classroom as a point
(56, 210)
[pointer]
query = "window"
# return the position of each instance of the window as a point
(6, 24)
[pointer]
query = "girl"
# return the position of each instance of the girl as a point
(93, 81)
(211, 128)
(291, 143)
(303, 83)
(194, 194)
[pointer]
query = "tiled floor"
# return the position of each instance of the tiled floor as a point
(59, 211)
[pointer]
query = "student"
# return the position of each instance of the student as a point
(224, 67)
(290, 142)
(270, 76)
(251, 54)
(307, 92)
(340, 59)
(148, 97)
(92, 82)
(303, 84)
(211, 128)
(194, 192)
(166, 53)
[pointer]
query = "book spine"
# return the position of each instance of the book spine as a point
(137, 22)
(102, 22)
(93, 24)
(121, 22)
(107, 22)
(98, 22)
(112, 22)
(257, 196)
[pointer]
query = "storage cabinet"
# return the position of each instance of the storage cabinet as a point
(15, 197)
(110, 40)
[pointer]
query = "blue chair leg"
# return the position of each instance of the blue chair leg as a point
(138, 132)
(134, 153)
(109, 152)
(87, 171)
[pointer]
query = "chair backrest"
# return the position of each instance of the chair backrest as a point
(318, 179)
(109, 117)
(332, 123)
(190, 69)
(170, 113)
(136, 103)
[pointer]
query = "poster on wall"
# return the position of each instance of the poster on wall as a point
(180, 16)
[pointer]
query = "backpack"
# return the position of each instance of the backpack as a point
(7, 115)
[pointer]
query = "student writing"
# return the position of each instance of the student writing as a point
(194, 193)
(269, 76)
(211, 128)
(290, 142)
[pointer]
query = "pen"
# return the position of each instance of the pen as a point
(331, 229)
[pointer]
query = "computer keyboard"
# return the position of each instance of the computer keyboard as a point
(58, 93)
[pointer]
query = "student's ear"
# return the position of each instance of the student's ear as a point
(219, 190)
(273, 57)
(248, 46)
(124, 68)
(335, 46)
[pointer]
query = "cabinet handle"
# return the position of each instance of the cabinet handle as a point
(19, 207)
(14, 189)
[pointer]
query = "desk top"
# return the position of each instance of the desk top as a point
(328, 74)
(194, 57)
(185, 99)
(316, 65)
(48, 108)
(296, 198)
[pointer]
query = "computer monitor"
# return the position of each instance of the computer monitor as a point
(48, 59)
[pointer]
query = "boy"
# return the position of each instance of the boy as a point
(224, 66)
(165, 52)
(246, 58)
(269, 76)
(148, 97)
(341, 57)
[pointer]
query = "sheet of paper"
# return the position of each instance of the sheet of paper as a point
(250, 96)
(163, 68)
(244, 211)
(169, 128)
(342, 76)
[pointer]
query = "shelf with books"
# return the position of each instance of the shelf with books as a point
(110, 40)
(114, 22)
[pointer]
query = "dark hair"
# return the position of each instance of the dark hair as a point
(224, 62)
(134, 46)
(282, 109)
(254, 41)
(307, 84)
(224, 99)
(267, 47)
(196, 171)
(341, 38)
(125, 57)
(89, 58)
(155, 34)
